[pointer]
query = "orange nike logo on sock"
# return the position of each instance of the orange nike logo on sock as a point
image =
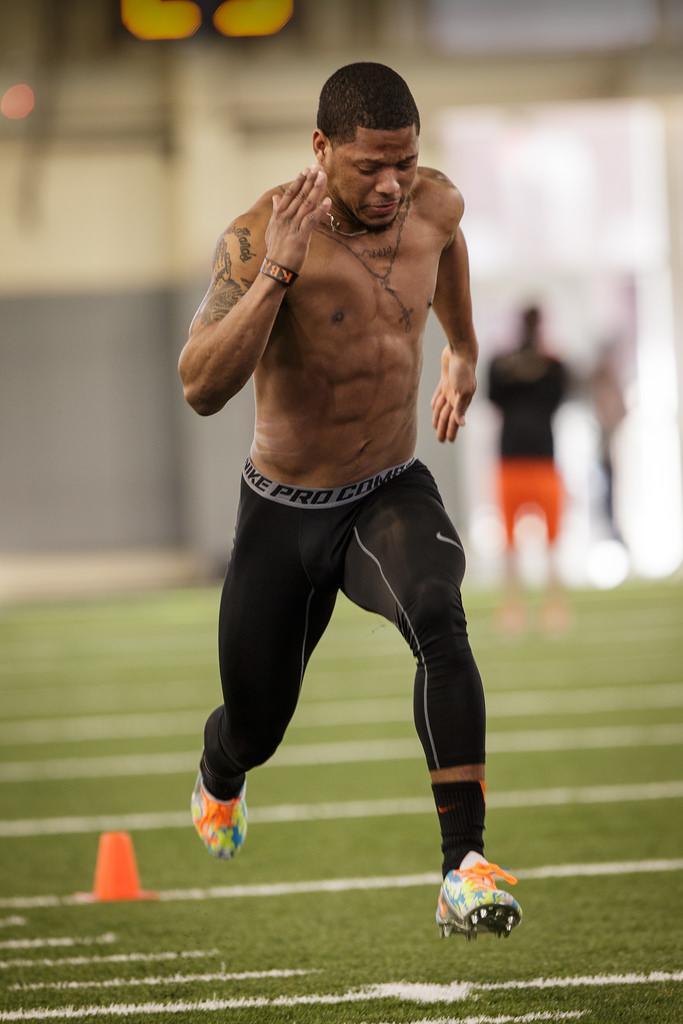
(443, 810)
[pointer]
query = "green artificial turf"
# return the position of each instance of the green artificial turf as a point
(135, 677)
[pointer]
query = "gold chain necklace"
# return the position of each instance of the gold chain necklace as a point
(336, 227)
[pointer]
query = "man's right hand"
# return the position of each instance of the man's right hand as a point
(295, 215)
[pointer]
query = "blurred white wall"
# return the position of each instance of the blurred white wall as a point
(571, 212)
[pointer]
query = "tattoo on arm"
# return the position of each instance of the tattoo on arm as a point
(222, 262)
(243, 236)
(220, 301)
(225, 291)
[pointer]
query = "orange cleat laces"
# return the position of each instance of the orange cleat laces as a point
(486, 874)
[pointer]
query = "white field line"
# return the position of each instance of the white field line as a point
(585, 700)
(89, 662)
(105, 697)
(521, 703)
(499, 704)
(168, 979)
(102, 727)
(599, 637)
(525, 1018)
(12, 922)
(216, 1005)
(494, 658)
(582, 981)
(268, 890)
(456, 992)
(65, 940)
(282, 813)
(118, 765)
(114, 958)
(345, 752)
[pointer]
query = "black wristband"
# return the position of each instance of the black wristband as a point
(283, 275)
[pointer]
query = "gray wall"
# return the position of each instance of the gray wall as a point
(88, 428)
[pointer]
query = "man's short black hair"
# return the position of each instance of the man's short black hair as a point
(365, 95)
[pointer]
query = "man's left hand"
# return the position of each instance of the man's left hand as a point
(453, 394)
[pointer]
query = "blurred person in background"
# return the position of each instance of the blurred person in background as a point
(321, 292)
(609, 408)
(527, 385)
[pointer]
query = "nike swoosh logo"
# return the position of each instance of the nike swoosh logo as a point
(448, 540)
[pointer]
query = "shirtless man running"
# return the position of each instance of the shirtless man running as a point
(321, 293)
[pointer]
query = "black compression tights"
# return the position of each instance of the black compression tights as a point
(394, 552)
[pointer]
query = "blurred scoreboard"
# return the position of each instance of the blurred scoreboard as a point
(179, 19)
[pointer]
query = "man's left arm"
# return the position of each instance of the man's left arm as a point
(453, 307)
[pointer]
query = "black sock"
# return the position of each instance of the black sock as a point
(220, 789)
(461, 809)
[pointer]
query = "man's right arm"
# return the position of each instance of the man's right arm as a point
(231, 328)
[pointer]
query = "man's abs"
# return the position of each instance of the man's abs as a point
(326, 457)
(333, 416)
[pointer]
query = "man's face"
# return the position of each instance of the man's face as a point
(372, 176)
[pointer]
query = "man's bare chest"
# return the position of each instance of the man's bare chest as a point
(382, 281)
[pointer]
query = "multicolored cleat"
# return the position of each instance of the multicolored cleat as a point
(469, 901)
(221, 824)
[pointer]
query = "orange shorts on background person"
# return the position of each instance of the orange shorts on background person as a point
(530, 485)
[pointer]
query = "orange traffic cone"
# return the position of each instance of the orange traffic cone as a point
(116, 872)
